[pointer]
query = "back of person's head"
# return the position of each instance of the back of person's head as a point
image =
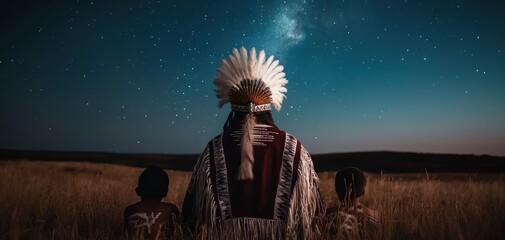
(350, 183)
(153, 183)
(236, 119)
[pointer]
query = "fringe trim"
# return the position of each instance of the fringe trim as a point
(221, 172)
(204, 205)
(251, 228)
(283, 195)
(245, 170)
(305, 201)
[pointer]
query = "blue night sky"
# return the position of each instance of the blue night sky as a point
(136, 76)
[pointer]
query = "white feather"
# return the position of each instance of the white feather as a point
(266, 65)
(236, 68)
(259, 64)
(252, 63)
(278, 76)
(268, 73)
(225, 70)
(271, 74)
(244, 65)
(226, 76)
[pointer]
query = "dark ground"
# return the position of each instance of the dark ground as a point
(387, 162)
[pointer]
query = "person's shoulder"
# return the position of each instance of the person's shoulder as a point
(290, 135)
(170, 207)
(211, 141)
(131, 208)
(370, 214)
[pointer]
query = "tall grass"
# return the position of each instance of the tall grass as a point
(56, 200)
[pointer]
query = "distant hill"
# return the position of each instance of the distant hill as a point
(410, 162)
(389, 162)
(167, 161)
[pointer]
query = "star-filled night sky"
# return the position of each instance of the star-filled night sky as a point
(136, 76)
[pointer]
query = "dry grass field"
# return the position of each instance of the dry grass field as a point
(59, 200)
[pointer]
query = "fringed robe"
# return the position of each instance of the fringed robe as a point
(279, 203)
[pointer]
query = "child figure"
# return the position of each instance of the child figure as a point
(150, 218)
(352, 219)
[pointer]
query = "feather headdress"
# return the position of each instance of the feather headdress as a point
(250, 83)
(244, 79)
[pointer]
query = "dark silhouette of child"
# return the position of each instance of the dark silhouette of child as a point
(150, 218)
(351, 219)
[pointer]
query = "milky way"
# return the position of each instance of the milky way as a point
(288, 29)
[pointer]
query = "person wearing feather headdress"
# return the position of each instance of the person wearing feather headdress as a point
(252, 181)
